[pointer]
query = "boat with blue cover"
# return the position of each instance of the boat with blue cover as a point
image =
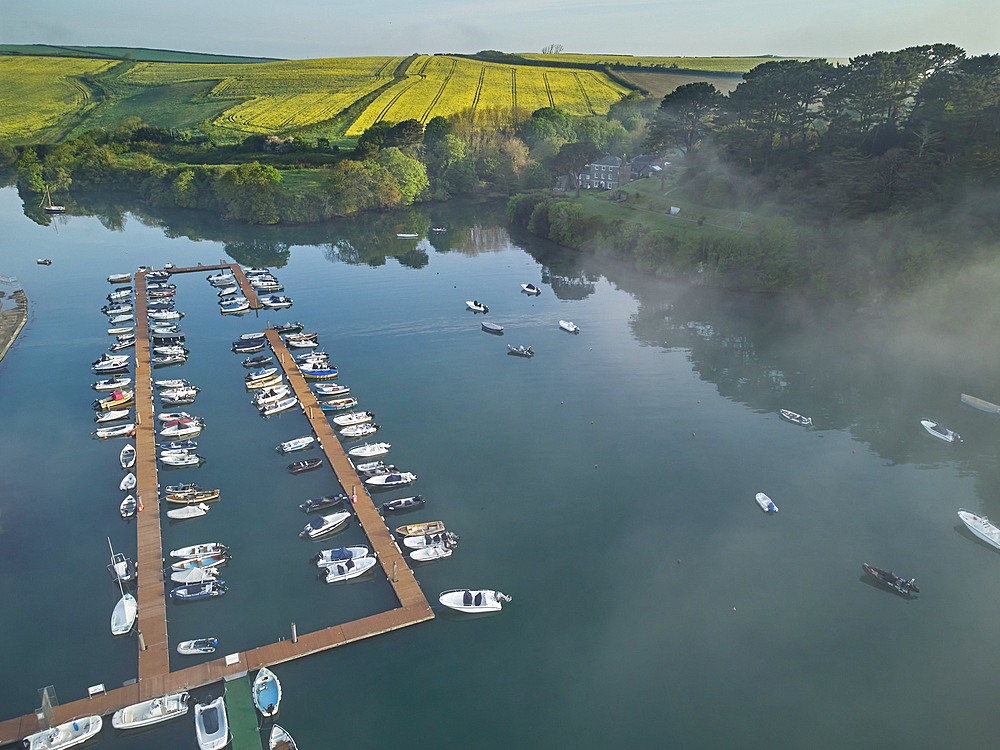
(266, 692)
(403, 504)
(330, 556)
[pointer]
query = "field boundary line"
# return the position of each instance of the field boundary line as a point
(447, 79)
(548, 89)
(608, 86)
(479, 89)
(583, 93)
(513, 88)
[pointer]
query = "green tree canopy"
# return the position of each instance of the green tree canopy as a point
(685, 117)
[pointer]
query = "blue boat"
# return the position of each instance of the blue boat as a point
(179, 445)
(195, 591)
(266, 692)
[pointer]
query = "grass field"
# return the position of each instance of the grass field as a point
(134, 53)
(718, 64)
(661, 84)
(37, 92)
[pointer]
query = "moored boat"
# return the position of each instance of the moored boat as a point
(117, 400)
(942, 433)
(354, 417)
(198, 646)
(128, 483)
(359, 430)
(181, 459)
(211, 725)
(194, 575)
(120, 278)
(476, 306)
(122, 430)
(491, 327)
(307, 465)
(331, 390)
(530, 289)
(295, 327)
(127, 456)
(123, 616)
(396, 479)
(205, 561)
(403, 504)
(332, 556)
(266, 692)
(112, 416)
(199, 550)
(322, 503)
(279, 406)
(173, 383)
(276, 302)
(897, 584)
(323, 525)
(369, 450)
(280, 739)
(128, 506)
(981, 527)
(521, 351)
(188, 511)
(420, 529)
(569, 325)
(111, 384)
(429, 540)
(791, 416)
(259, 361)
(432, 552)
(338, 404)
(473, 600)
(297, 444)
(235, 306)
(65, 735)
(150, 712)
(348, 569)
(195, 591)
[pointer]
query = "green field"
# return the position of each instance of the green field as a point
(716, 64)
(119, 53)
(660, 84)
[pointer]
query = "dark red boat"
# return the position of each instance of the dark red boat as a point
(308, 465)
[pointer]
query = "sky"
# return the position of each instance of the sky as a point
(300, 29)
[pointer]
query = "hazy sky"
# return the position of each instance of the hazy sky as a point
(335, 28)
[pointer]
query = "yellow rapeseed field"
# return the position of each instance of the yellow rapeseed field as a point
(445, 85)
(37, 91)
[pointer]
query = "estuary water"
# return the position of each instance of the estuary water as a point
(607, 485)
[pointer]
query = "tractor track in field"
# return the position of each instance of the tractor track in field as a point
(437, 97)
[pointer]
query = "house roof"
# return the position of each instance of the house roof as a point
(608, 160)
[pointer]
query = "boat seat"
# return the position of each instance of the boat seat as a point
(467, 598)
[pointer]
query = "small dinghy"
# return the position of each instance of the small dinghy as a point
(429, 540)
(276, 302)
(151, 712)
(121, 330)
(359, 430)
(322, 503)
(530, 289)
(211, 725)
(171, 351)
(943, 433)
(122, 345)
(111, 384)
(270, 382)
(354, 417)
(179, 445)
(476, 306)
(165, 315)
(295, 327)
(279, 406)
(217, 279)
(333, 556)
(198, 646)
(338, 404)
(894, 582)
(127, 456)
(205, 561)
(370, 450)
(491, 327)
(432, 552)
(280, 740)
(569, 325)
(317, 371)
(188, 511)
(403, 504)
(128, 483)
(194, 575)
(112, 416)
(181, 459)
(229, 291)
(323, 525)
(248, 347)
(420, 529)
(195, 591)
(266, 692)
(120, 278)
(981, 527)
(192, 496)
(348, 569)
(332, 390)
(173, 383)
(200, 550)
(122, 430)
(307, 465)
(236, 306)
(766, 504)
(398, 479)
(65, 735)
(259, 361)
(297, 444)
(123, 617)
(521, 351)
(262, 374)
(791, 416)
(128, 506)
(473, 600)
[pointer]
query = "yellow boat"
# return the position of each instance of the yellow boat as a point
(265, 383)
(192, 497)
(117, 400)
(419, 529)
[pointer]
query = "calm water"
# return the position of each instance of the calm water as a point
(607, 485)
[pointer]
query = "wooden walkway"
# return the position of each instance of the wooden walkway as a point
(155, 677)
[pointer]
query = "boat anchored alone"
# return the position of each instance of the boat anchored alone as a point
(766, 504)
(894, 582)
(791, 416)
(476, 306)
(981, 527)
(943, 433)
(569, 325)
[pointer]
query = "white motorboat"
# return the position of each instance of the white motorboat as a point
(280, 739)
(263, 373)
(476, 306)
(122, 430)
(276, 302)
(151, 712)
(297, 444)
(164, 315)
(198, 646)
(370, 450)
(332, 390)
(328, 557)
(174, 416)
(354, 417)
(181, 429)
(981, 527)
(128, 507)
(322, 525)
(128, 483)
(188, 511)
(121, 330)
(211, 725)
(112, 384)
(431, 552)
(221, 279)
(181, 459)
(123, 617)
(766, 504)
(473, 600)
(348, 569)
(173, 383)
(568, 325)
(228, 291)
(302, 344)
(194, 575)
(795, 418)
(398, 479)
(171, 351)
(202, 561)
(940, 432)
(127, 456)
(117, 320)
(530, 289)
(111, 362)
(359, 430)
(65, 735)
(429, 540)
(179, 394)
(374, 467)
(112, 416)
(266, 692)
(267, 396)
(121, 568)
(199, 550)
(279, 406)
